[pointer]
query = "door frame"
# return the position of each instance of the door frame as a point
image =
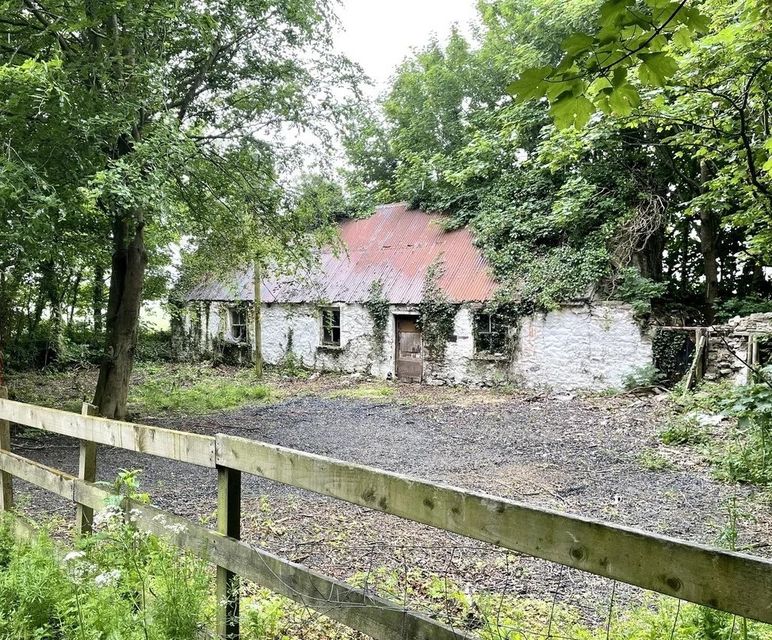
(408, 315)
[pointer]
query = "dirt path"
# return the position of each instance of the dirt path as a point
(578, 455)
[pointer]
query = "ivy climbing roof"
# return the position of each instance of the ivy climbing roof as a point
(396, 245)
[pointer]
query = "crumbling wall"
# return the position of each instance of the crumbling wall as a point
(728, 346)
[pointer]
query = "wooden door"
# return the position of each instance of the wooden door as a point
(409, 356)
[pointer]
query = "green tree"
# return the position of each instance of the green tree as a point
(698, 75)
(161, 121)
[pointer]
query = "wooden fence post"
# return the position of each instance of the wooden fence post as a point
(6, 481)
(84, 516)
(752, 357)
(696, 370)
(228, 524)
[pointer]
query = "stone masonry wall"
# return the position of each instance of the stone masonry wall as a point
(575, 347)
(590, 347)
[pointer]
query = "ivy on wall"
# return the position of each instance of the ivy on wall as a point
(673, 352)
(378, 307)
(436, 314)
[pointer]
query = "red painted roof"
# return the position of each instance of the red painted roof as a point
(396, 245)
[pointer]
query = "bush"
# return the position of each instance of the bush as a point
(743, 452)
(645, 376)
(748, 457)
(154, 346)
(638, 290)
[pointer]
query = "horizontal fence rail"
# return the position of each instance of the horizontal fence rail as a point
(732, 582)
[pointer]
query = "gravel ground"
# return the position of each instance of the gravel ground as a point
(581, 455)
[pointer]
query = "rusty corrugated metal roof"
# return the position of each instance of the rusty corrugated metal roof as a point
(396, 245)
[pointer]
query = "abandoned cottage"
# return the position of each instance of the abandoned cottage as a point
(407, 299)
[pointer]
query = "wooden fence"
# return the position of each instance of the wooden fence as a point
(732, 582)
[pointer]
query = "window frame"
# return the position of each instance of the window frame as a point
(484, 341)
(243, 333)
(336, 314)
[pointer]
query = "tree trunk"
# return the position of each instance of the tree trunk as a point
(98, 299)
(53, 293)
(122, 322)
(74, 300)
(709, 246)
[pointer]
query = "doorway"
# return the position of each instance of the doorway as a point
(409, 354)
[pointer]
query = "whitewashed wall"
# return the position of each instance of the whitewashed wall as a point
(575, 347)
(358, 353)
(580, 347)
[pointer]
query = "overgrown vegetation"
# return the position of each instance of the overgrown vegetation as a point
(120, 583)
(644, 376)
(378, 307)
(732, 425)
(436, 314)
(125, 584)
(191, 390)
(639, 200)
(496, 617)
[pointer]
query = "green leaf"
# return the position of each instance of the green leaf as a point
(530, 84)
(599, 85)
(624, 99)
(619, 77)
(656, 68)
(613, 12)
(572, 110)
(693, 18)
(577, 43)
(683, 38)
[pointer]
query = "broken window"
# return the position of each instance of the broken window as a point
(239, 324)
(331, 326)
(490, 334)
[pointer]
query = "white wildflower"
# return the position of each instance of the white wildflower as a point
(79, 572)
(134, 515)
(107, 516)
(107, 579)
(177, 527)
(74, 555)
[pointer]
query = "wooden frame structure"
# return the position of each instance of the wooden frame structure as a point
(732, 582)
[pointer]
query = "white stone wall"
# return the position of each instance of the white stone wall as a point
(461, 365)
(576, 347)
(298, 327)
(357, 353)
(588, 347)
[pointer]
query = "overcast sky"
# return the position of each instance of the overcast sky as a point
(379, 35)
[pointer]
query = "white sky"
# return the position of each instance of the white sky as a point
(380, 35)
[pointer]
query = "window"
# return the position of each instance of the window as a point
(331, 326)
(239, 324)
(490, 334)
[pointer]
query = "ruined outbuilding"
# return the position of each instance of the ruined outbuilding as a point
(407, 299)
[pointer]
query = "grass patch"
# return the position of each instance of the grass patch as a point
(64, 390)
(653, 461)
(685, 430)
(196, 390)
(492, 616)
(366, 392)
